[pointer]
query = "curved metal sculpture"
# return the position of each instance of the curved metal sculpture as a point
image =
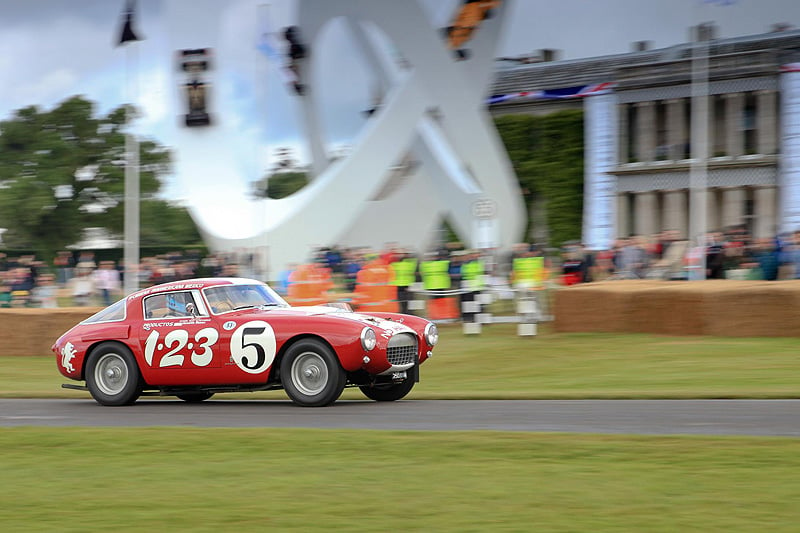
(432, 117)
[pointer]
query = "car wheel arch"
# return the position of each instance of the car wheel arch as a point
(113, 375)
(276, 365)
(92, 347)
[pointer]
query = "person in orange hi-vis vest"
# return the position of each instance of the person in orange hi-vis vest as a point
(306, 286)
(374, 288)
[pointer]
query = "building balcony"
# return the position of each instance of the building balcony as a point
(678, 165)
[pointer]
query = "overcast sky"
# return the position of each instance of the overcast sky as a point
(53, 49)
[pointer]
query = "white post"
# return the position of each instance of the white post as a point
(698, 174)
(131, 183)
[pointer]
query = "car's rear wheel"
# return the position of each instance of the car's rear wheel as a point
(311, 374)
(112, 375)
(194, 396)
(390, 392)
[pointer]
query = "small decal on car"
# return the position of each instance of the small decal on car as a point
(229, 325)
(67, 355)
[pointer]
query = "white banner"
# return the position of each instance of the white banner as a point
(600, 186)
(789, 180)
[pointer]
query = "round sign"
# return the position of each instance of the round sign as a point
(484, 208)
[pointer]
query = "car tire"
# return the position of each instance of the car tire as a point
(112, 375)
(311, 374)
(195, 396)
(390, 392)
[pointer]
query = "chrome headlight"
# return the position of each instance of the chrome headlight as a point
(431, 334)
(368, 339)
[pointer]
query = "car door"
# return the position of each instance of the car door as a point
(180, 341)
(250, 342)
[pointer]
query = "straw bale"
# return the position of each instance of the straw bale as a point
(713, 307)
(33, 331)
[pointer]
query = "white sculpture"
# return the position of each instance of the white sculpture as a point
(432, 117)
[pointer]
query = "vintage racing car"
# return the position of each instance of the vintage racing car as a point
(197, 337)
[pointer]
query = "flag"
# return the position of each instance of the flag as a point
(127, 33)
(554, 94)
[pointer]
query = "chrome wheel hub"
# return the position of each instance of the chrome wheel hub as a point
(111, 374)
(309, 373)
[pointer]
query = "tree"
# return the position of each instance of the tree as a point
(166, 224)
(547, 155)
(286, 177)
(64, 170)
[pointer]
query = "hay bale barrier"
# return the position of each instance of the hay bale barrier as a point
(33, 331)
(724, 308)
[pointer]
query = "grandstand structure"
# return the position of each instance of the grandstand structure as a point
(639, 111)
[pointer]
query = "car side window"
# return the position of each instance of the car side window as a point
(112, 313)
(177, 304)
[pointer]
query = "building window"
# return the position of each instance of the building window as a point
(749, 122)
(686, 148)
(662, 138)
(719, 138)
(632, 134)
(750, 211)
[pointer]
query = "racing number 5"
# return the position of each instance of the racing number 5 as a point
(260, 355)
(253, 346)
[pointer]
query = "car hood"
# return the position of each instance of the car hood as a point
(335, 313)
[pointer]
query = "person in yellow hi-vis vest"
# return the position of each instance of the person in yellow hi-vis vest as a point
(405, 275)
(527, 276)
(472, 282)
(527, 271)
(435, 274)
(436, 279)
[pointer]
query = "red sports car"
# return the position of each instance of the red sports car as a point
(194, 338)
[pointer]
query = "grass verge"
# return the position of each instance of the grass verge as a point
(186, 479)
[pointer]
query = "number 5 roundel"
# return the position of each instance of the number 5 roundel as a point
(253, 346)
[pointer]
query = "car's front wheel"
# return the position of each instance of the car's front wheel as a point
(390, 392)
(112, 375)
(311, 374)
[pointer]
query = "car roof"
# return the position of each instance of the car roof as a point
(194, 283)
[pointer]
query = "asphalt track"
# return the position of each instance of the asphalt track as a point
(646, 417)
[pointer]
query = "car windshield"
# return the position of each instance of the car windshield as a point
(231, 297)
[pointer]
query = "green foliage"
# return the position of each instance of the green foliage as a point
(165, 224)
(280, 184)
(285, 178)
(547, 155)
(64, 170)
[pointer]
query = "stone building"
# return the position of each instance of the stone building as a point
(649, 172)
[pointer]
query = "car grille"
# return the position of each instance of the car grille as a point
(402, 349)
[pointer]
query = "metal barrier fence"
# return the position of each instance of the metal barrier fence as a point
(470, 307)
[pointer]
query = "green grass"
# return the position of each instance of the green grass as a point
(498, 364)
(192, 479)
(187, 479)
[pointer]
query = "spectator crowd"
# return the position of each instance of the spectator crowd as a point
(729, 254)
(78, 279)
